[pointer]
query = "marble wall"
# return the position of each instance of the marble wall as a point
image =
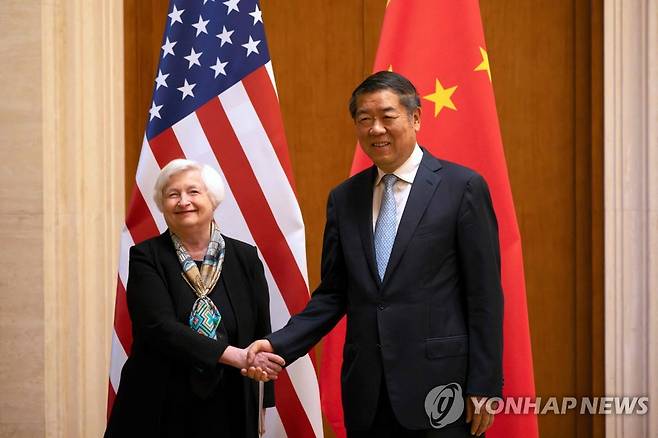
(61, 183)
(22, 397)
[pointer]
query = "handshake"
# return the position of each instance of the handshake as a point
(261, 363)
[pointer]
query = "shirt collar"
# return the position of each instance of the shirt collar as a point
(407, 171)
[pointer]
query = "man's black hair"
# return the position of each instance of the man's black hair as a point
(388, 80)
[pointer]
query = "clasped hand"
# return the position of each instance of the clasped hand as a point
(262, 364)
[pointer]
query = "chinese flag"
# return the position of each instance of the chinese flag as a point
(439, 45)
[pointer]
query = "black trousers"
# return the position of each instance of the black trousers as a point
(386, 425)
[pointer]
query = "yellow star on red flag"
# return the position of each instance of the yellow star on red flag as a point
(484, 65)
(442, 98)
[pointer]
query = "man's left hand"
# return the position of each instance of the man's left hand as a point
(480, 420)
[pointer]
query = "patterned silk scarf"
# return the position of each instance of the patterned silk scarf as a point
(204, 317)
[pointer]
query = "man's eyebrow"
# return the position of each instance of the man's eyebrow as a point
(384, 110)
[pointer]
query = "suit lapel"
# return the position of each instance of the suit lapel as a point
(363, 207)
(422, 190)
(181, 293)
(233, 282)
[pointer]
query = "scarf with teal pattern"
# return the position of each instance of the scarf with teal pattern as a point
(204, 317)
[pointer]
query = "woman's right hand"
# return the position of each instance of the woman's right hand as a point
(235, 357)
(263, 367)
(261, 362)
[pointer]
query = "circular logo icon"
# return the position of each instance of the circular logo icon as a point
(444, 404)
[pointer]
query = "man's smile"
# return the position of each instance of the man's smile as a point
(380, 144)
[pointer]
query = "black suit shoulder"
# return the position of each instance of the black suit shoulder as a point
(244, 253)
(458, 172)
(153, 243)
(244, 248)
(157, 252)
(457, 169)
(366, 176)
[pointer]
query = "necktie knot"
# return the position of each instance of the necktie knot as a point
(389, 179)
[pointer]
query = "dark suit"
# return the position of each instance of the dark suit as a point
(172, 368)
(435, 318)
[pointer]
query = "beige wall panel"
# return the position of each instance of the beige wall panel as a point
(82, 59)
(21, 290)
(19, 430)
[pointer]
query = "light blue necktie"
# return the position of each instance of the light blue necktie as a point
(385, 227)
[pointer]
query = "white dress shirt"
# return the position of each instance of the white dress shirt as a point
(406, 174)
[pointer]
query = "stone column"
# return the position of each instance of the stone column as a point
(631, 205)
(83, 196)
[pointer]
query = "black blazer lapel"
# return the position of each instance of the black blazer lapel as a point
(363, 210)
(422, 190)
(181, 293)
(233, 283)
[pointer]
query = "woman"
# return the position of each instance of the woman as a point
(196, 300)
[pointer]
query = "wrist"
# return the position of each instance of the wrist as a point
(235, 357)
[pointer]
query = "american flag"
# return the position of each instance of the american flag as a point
(215, 102)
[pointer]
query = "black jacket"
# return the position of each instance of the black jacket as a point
(436, 317)
(167, 356)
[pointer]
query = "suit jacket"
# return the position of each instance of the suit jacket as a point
(436, 317)
(169, 360)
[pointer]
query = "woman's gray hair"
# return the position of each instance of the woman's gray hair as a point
(210, 177)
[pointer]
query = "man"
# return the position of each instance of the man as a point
(411, 255)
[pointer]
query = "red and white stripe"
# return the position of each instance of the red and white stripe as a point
(240, 135)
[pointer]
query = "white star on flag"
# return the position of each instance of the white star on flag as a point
(193, 58)
(186, 89)
(175, 16)
(251, 46)
(168, 48)
(154, 111)
(219, 68)
(225, 36)
(200, 26)
(232, 6)
(161, 80)
(257, 14)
